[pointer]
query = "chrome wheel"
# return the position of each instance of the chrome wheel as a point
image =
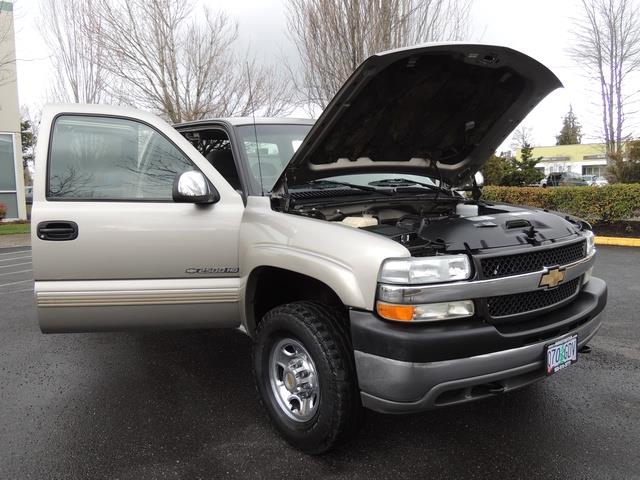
(294, 380)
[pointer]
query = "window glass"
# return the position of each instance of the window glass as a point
(11, 202)
(7, 165)
(215, 146)
(100, 158)
(271, 153)
(596, 170)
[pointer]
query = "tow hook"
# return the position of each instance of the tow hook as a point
(585, 349)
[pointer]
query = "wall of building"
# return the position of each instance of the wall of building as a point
(583, 159)
(11, 172)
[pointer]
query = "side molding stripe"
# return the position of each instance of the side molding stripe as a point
(104, 299)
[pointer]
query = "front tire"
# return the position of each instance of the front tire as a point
(305, 375)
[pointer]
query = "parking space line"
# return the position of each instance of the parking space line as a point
(14, 258)
(14, 253)
(15, 283)
(17, 291)
(15, 265)
(18, 271)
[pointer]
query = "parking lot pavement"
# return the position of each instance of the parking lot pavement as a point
(15, 240)
(15, 272)
(182, 405)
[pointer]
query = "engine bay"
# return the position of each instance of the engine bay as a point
(450, 224)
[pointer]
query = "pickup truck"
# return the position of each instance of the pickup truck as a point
(342, 247)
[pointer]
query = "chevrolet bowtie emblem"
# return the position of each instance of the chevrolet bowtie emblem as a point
(552, 278)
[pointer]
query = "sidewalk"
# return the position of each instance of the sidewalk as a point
(19, 240)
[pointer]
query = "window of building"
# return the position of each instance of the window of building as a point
(596, 170)
(102, 158)
(555, 159)
(8, 195)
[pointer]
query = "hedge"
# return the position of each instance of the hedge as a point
(610, 203)
(3, 210)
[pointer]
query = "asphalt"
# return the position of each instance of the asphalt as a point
(183, 405)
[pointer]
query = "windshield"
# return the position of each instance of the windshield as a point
(275, 147)
(277, 144)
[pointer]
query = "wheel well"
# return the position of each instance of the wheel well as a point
(269, 287)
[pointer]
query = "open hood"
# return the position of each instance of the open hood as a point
(438, 110)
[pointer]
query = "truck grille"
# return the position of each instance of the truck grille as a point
(495, 267)
(519, 303)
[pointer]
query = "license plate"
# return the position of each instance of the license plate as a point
(561, 354)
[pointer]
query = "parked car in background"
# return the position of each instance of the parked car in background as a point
(563, 179)
(595, 181)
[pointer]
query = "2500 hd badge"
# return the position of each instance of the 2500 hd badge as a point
(210, 270)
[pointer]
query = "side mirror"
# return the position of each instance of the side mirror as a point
(193, 187)
(479, 178)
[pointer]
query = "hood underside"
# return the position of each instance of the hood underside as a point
(439, 110)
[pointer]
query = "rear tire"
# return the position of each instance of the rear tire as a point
(305, 375)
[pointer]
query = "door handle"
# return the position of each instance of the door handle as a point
(57, 230)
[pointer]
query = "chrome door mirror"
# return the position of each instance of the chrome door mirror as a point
(479, 178)
(193, 187)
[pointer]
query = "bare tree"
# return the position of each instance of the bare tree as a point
(7, 52)
(334, 36)
(521, 137)
(607, 48)
(78, 58)
(180, 64)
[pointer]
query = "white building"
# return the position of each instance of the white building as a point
(583, 159)
(11, 172)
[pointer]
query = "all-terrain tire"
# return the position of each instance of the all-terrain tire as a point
(323, 334)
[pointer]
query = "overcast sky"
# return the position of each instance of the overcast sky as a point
(540, 28)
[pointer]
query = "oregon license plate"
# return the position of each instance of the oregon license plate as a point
(561, 354)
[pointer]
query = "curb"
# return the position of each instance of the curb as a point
(618, 241)
(15, 240)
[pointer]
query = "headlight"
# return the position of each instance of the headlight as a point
(443, 268)
(591, 241)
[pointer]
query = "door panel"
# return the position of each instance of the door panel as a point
(109, 173)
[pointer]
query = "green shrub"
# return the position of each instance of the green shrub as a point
(610, 203)
(3, 210)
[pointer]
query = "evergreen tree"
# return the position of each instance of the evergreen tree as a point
(626, 169)
(494, 170)
(28, 140)
(522, 172)
(571, 131)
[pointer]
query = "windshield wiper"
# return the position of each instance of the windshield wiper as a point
(350, 185)
(404, 182)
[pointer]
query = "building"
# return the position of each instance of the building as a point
(11, 172)
(583, 159)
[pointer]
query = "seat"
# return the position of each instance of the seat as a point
(222, 161)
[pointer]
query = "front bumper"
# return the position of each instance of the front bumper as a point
(408, 368)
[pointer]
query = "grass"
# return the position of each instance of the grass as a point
(13, 228)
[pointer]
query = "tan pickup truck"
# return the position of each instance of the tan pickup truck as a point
(343, 247)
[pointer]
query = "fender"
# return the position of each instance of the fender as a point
(344, 258)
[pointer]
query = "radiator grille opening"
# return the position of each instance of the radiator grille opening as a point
(495, 267)
(519, 303)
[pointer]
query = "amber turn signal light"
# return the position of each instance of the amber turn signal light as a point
(400, 313)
